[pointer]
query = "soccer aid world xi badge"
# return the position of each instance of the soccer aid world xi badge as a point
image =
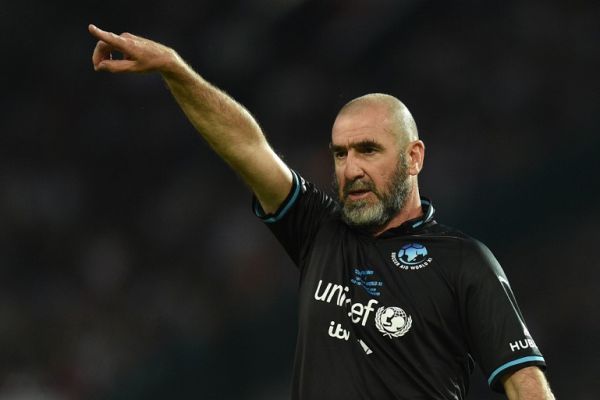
(411, 257)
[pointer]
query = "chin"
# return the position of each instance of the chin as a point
(367, 218)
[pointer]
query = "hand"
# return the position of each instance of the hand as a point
(139, 54)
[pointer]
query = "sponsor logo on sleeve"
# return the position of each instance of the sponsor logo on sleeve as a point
(526, 343)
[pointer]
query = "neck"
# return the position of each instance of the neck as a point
(412, 209)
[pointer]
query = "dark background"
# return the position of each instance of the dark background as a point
(131, 266)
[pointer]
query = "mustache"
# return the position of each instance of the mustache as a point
(358, 185)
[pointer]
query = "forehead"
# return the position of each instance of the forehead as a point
(368, 123)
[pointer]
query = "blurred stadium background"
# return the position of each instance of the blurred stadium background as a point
(131, 266)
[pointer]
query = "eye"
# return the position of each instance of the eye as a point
(368, 150)
(339, 154)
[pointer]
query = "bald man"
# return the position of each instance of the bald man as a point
(392, 304)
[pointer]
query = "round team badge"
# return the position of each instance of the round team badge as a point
(392, 321)
(412, 253)
(411, 256)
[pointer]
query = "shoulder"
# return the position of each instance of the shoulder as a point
(471, 253)
(304, 201)
(455, 237)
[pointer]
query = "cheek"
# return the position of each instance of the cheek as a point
(381, 182)
(340, 183)
(339, 176)
(382, 175)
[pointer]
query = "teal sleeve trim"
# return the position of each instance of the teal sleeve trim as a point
(511, 364)
(284, 207)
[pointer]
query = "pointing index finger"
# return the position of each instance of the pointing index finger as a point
(108, 37)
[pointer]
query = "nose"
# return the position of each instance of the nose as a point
(353, 169)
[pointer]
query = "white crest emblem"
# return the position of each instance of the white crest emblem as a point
(392, 321)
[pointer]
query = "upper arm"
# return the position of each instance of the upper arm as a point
(527, 383)
(497, 336)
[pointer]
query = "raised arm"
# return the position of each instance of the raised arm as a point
(527, 384)
(225, 124)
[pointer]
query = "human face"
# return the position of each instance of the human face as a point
(390, 200)
(371, 171)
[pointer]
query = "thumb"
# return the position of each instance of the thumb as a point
(116, 66)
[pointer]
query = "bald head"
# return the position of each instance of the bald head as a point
(401, 122)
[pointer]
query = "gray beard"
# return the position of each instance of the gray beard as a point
(390, 200)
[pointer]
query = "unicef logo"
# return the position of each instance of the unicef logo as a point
(392, 321)
(412, 253)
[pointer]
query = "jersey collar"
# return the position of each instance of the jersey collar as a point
(415, 224)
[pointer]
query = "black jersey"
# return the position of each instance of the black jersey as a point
(398, 316)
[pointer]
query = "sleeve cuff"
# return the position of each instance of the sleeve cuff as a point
(514, 365)
(285, 206)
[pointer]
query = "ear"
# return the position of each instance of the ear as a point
(416, 155)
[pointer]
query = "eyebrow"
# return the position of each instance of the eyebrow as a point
(363, 144)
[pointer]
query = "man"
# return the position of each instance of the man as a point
(393, 305)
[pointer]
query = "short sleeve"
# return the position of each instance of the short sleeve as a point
(497, 336)
(298, 219)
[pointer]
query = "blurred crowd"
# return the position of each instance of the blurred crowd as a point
(131, 266)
